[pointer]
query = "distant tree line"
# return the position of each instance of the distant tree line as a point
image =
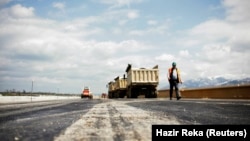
(13, 92)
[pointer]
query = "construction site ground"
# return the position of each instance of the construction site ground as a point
(113, 119)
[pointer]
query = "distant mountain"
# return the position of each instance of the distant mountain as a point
(211, 82)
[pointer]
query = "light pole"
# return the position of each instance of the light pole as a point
(32, 87)
(31, 90)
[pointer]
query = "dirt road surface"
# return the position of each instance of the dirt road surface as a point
(107, 120)
(114, 120)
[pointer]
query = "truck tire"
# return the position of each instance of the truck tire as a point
(129, 92)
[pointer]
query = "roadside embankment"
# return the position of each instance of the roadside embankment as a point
(225, 92)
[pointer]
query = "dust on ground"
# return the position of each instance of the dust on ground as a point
(114, 120)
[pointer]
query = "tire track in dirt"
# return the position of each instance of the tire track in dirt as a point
(123, 129)
(94, 125)
(114, 120)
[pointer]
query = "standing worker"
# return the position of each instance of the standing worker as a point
(174, 79)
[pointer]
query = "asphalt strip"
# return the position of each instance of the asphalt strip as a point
(114, 121)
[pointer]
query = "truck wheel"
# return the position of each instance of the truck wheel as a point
(129, 92)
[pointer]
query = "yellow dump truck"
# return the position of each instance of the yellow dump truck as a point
(120, 87)
(111, 89)
(117, 88)
(142, 82)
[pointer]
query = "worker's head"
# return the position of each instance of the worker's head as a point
(173, 64)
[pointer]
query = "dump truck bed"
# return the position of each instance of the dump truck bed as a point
(120, 83)
(143, 76)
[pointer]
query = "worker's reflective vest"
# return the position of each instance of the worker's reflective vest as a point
(178, 74)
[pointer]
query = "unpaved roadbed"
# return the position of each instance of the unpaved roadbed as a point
(114, 120)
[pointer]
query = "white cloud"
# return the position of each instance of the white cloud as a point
(133, 14)
(58, 5)
(213, 30)
(237, 10)
(160, 29)
(3, 2)
(17, 11)
(216, 53)
(184, 53)
(119, 3)
(152, 22)
(121, 15)
(165, 57)
(122, 22)
(233, 30)
(45, 80)
(70, 53)
(56, 53)
(220, 46)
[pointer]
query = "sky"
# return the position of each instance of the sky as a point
(63, 45)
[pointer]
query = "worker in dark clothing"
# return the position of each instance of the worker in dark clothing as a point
(174, 79)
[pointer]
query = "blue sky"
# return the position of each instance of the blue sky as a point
(64, 45)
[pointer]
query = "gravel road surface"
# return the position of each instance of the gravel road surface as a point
(107, 120)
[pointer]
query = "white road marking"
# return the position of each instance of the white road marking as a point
(114, 120)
